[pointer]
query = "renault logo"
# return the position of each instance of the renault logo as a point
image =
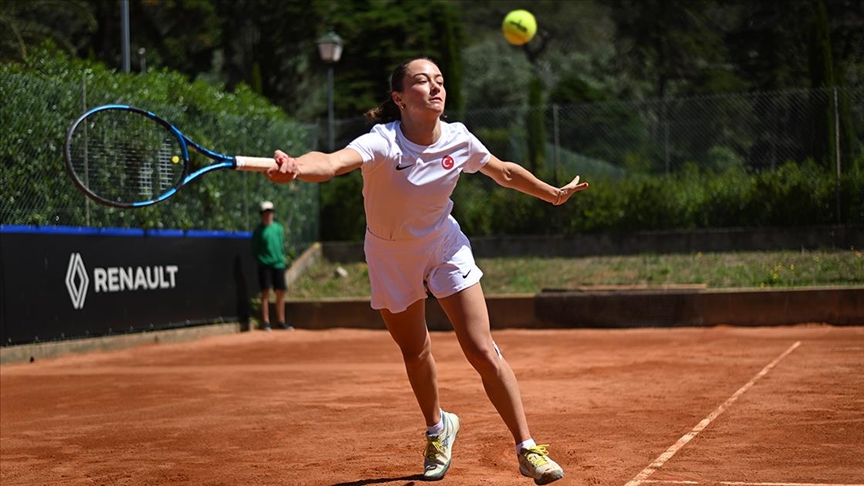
(77, 281)
(116, 279)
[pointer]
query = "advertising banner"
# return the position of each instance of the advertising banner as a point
(61, 282)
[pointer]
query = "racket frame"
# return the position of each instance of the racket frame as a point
(222, 161)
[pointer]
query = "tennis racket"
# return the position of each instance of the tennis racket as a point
(127, 157)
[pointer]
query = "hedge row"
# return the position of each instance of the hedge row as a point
(45, 94)
(793, 195)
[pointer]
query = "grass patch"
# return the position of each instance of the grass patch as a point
(713, 270)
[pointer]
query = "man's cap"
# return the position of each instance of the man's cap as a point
(266, 206)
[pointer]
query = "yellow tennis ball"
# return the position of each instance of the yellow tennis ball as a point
(175, 159)
(519, 27)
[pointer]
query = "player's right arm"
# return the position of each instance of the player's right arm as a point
(314, 166)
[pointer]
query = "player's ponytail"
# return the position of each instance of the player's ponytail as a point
(387, 112)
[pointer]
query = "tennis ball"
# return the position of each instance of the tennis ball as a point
(519, 27)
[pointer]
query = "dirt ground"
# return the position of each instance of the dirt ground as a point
(334, 408)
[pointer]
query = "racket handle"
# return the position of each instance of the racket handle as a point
(254, 164)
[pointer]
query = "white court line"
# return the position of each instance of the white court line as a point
(670, 481)
(671, 451)
(742, 483)
(739, 483)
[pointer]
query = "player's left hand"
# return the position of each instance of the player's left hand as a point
(573, 187)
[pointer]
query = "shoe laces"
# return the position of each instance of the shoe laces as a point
(537, 455)
(434, 447)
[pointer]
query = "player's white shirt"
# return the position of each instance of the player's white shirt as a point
(407, 187)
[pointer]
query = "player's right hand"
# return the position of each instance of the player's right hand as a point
(286, 169)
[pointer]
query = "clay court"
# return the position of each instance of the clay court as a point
(718, 405)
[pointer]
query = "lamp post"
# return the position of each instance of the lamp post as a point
(330, 50)
(124, 34)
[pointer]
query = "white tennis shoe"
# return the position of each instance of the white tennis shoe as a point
(535, 463)
(439, 448)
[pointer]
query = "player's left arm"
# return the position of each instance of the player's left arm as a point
(514, 176)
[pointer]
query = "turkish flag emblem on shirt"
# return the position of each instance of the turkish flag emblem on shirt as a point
(447, 162)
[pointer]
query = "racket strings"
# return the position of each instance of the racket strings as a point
(125, 157)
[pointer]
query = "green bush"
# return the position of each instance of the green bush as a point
(43, 95)
(794, 195)
(342, 216)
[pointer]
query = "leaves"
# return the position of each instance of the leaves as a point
(46, 93)
(25, 24)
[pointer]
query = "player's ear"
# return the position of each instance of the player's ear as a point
(397, 98)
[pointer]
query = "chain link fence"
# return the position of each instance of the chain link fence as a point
(37, 191)
(612, 141)
(619, 141)
(757, 131)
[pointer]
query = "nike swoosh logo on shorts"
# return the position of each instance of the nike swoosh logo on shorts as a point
(467, 273)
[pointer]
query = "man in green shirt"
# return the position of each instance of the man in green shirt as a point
(267, 247)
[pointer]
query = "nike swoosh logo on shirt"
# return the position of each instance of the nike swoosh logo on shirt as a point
(403, 167)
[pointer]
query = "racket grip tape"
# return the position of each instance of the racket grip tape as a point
(254, 164)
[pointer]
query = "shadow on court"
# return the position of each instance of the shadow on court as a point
(411, 481)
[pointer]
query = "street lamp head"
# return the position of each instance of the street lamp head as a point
(330, 47)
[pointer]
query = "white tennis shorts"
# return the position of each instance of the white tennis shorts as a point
(401, 272)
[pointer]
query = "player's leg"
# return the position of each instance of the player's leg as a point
(467, 312)
(396, 279)
(454, 280)
(409, 331)
(396, 283)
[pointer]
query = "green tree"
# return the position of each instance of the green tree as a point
(676, 46)
(181, 35)
(672, 43)
(279, 37)
(498, 76)
(451, 59)
(847, 42)
(767, 45)
(823, 128)
(25, 24)
(594, 124)
(536, 122)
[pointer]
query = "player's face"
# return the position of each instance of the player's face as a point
(423, 87)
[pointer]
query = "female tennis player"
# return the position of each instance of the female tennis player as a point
(411, 161)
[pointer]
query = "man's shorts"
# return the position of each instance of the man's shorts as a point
(271, 278)
(401, 272)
